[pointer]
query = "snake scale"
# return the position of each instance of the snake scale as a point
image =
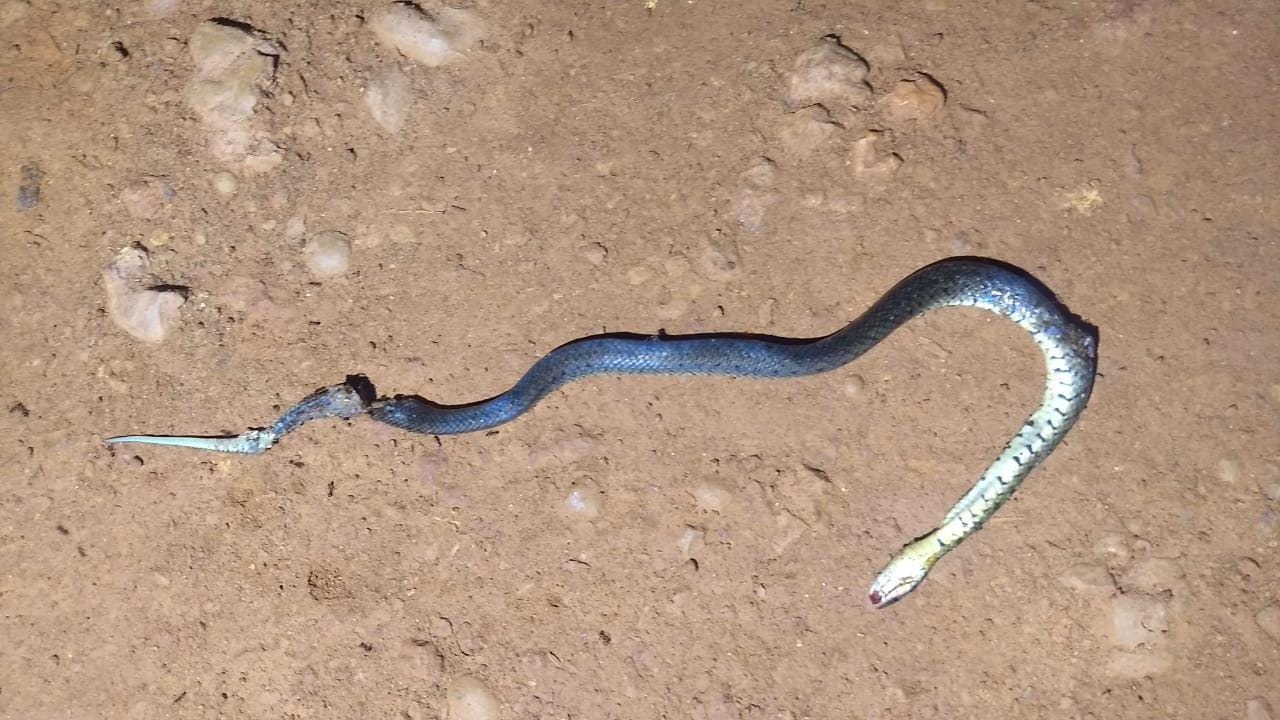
(1068, 344)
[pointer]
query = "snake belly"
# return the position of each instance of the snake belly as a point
(1069, 347)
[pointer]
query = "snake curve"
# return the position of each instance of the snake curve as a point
(1068, 344)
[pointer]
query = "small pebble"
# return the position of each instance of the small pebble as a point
(870, 163)
(469, 699)
(30, 177)
(1138, 621)
(440, 38)
(595, 253)
(1257, 709)
(145, 313)
(583, 502)
(711, 495)
(912, 101)
(1229, 471)
(328, 254)
(143, 199)
(233, 66)
(1268, 618)
(225, 182)
(854, 386)
(388, 98)
(828, 74)
(691, 542)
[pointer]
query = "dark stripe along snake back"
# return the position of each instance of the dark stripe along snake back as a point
(1069, 347)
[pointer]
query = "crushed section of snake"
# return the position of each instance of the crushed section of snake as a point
(1068, 344)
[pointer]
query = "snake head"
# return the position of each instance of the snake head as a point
(905, 571)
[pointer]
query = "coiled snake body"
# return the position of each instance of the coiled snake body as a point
(1069, 347)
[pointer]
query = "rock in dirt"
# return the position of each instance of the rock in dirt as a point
(234, 65)
(226, 183)
(828, 74)
(144, 198)
(469, 699)
(1139, 621)
(328, 254)
(436, 38)
(807, 130)
(29, 178)
(136, 302)
(387, 97)
(870, 164)
(912, 101)
(756, 194)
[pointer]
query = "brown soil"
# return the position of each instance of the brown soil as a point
(583, 171)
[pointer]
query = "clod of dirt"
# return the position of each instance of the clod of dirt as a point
(807, 130)
(135, 302)
(756, 194)
(388, 99)
(470, 699)
(433, 39)
(828, 74)
(234, 65)
(144, 198)
(912, 101)
(328, 254)
(869, 164)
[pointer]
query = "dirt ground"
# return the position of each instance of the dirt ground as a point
(640, 547)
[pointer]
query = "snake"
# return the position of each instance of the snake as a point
(1068, 344)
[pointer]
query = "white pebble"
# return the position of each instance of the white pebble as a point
(435, 39)
(388, 99)
(583, 502)
(225, 182)
(854, 386)
(146, 314)
(328, 254)
(469, 699)
(1268, 618)
(711, 495)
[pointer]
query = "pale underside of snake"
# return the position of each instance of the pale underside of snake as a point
(1068, 344)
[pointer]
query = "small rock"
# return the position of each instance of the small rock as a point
(854, 386)
(295, 227)
(232, 67)
(264, 157)
(1257, 709)
(1268, 618)
(912, 101)
(469, 699)
(828, 74)
(1093, 579)
(225, 182)
(869, 165)
(807, 130)
(1138, 621)
(1229, 471)
(144, 198)
(756, 194)
(595, 253)
(431, 39)
(1153, 576)
(29, 178)
(583, 502)
(691, 542)
(134, 303)
(711, 495)
(388, 99)
(638, 275)
(328, 254)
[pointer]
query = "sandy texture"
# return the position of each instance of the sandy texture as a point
(639, 547)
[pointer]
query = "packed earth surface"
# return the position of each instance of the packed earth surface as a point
(211, 209)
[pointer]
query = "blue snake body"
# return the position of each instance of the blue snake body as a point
(1069, 347)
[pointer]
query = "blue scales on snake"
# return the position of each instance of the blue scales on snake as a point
(1068, 344)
